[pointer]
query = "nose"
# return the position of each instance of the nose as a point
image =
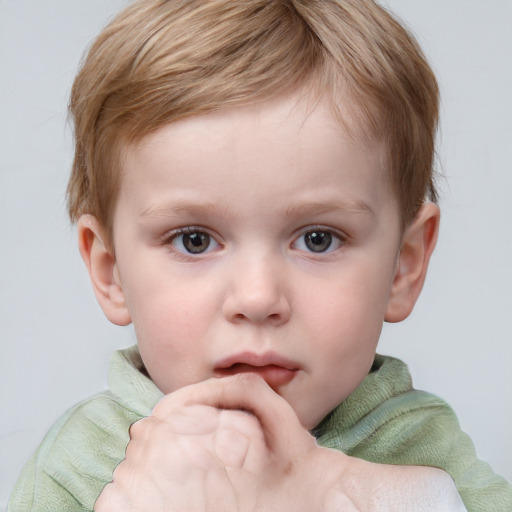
(257, 293)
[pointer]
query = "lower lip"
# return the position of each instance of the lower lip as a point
(274, 376)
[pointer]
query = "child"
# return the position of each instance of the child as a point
(250, 185)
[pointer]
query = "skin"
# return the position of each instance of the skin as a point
(258, 252)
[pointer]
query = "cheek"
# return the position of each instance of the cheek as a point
(351, 304)
(346, 322)
(170, 338)
(163, 299)
(172, 321)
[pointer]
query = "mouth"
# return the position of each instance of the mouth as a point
(276, 371)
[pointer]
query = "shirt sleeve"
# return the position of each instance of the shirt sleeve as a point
(429, 434)
(76, 459)
(26, 497)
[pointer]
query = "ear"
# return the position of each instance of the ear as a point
(418, 243)
(101, 264)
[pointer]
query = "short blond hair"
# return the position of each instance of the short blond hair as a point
(162, 60)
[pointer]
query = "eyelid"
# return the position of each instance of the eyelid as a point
(186, 230)
(321, 227)
(336, 233)
(168, 238)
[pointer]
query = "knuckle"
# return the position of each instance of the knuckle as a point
(162, 408)
(143, 429)
(138, 428)
(117, 476)
(169, 403)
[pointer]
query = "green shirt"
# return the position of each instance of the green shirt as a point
(385, 420)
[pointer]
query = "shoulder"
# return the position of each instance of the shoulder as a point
(385, 398)
(387, 421)
(76, 458)
(89, 436)
(78, 455)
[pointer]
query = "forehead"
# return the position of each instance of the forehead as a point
(286, 144)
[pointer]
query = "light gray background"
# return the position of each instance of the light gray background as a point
(55, 342)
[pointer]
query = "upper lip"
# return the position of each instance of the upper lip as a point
(256, 360)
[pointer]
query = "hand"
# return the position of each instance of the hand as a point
(233, 445)
(223, 444)
(349, 484)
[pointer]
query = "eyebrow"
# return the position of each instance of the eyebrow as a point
(300, 208)
(186, 207)
(307, 208)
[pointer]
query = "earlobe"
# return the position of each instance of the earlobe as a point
(101, 265)
(418, 243)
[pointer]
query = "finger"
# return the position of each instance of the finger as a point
(155, 445)
(231, 448)
(194, 420)
(239, 441)
(234, 437)
(248, 392)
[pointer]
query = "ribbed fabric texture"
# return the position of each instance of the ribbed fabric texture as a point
(385, 420)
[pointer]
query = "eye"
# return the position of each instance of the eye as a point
(193, 241)
(318, 241)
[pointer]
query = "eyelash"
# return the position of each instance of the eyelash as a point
(189, 230)
(334, 237)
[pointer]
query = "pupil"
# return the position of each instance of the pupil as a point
(196, 242)
(318, 241)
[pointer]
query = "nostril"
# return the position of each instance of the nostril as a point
(259, 306)
(272, 318)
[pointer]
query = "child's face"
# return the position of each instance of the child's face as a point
(258, 239)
